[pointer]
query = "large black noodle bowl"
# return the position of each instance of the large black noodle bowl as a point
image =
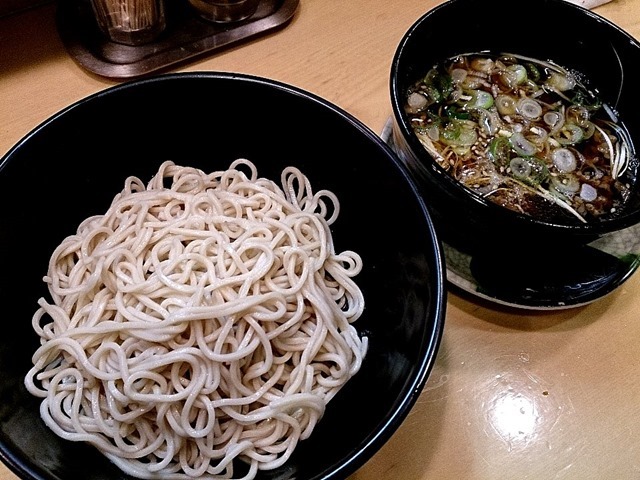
(71, 166)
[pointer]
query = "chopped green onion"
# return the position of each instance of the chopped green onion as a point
(521, 145)
(565, 183)
(561, 81)
(570, 134)
(532, 71)
(488, 120)
(457, 135)
(505, 104)
(453, 112)
(531, 171)
(522, 129)
(480, 99)
(529, 108)
(482, 64)
(553, 119)
(520, 168)
(564, 160)
(587, 100)
(499, 150)
(437, 85)
(417, 101)
(520, 73)
(458, 75)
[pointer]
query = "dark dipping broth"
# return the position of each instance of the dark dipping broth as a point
(526, 134)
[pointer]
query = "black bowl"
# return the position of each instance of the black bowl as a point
(72, 165)
(554, 30)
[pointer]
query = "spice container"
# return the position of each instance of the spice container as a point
(223, 11)
(130, 22)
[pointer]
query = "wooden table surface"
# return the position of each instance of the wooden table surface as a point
(514, 394)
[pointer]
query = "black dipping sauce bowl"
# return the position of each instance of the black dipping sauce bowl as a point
(550, 30)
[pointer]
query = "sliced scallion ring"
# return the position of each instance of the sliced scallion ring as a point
(458, 75)
(488, 120)
(458, 134)
(529, 108)
(482, 64)
(554, 119)
(499, 150)
(417, 101)
(561, 81)
(505, 104)
(530, 170)
(480, 99)
(521, 145)
(570, 134)
(564, 160)
(520, 73)
(566, 183)
(520, 168)
(433, 132)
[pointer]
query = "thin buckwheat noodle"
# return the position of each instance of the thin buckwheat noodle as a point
(203, 319)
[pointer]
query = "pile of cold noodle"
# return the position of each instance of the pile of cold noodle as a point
(198, 324)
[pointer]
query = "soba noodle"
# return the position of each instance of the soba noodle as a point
(203, 319)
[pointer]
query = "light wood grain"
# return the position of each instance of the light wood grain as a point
(513, 395)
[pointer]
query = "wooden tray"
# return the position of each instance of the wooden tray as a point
(187, 35)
